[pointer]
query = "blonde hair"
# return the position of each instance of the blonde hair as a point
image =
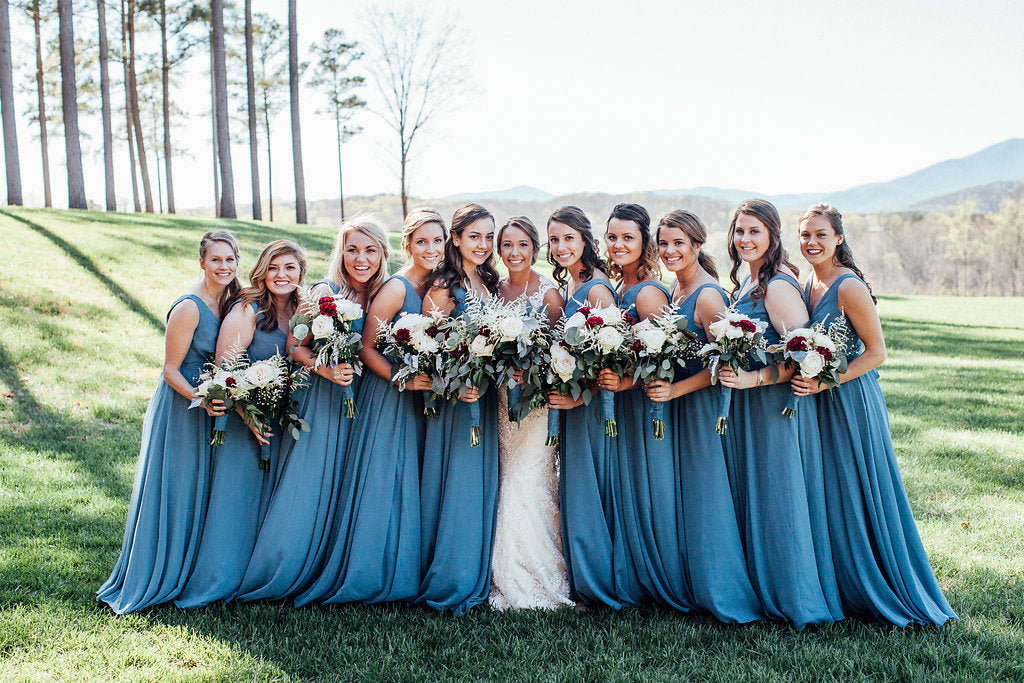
(368, 224)
(257, 290)
(415, 220)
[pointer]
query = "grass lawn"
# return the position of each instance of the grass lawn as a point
(82, 303)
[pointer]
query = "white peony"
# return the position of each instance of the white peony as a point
(301, 331)
(261, 374)
(509, 328)
(812, 364)
(480, 347)
(652, 339)
(609, 339)
(413, 321)
(323, 326)
(349, 310)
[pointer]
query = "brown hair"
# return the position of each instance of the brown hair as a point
(231, 291)
(843, 255)
(574, 217)
(257, 290)
(369, 225)
(774, 257)
(693, 228)
(450, 272)
(527, 226)
(648, 268)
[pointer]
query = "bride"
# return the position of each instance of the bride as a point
(527, 569)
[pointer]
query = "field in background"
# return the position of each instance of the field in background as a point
(82, 303)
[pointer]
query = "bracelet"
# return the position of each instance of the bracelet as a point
(760, 379)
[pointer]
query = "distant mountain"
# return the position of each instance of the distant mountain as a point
(519, 193)
(986, 198)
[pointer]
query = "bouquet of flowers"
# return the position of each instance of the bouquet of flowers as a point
(564, 375)
(738, 338)
(818, 352)
(660, 343)
(226, 383)
(416, 343)
(328, 322)
(597, 337)
(521, 337)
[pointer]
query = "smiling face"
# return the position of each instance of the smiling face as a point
(676, 249)
(426, 245)
(284, 275)
(219, 264)
(476, 242)
(516, 249)
(362, 257)
(750, 238)
(818, 240)
(625, 242)
(565, 244)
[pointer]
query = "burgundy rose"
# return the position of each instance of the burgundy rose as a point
(595, 321)
(432, 331)
(402, 335)
(585, 310)
(745, 325)
(636, 345)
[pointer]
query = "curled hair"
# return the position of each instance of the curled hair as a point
(527, 226)
(774, 257)
(368, 224)
(843, 255)
(693, 228)
(415, 220)
(648, 267)
(451, 273)
(257, 290)
(574, 217)
(230, 292)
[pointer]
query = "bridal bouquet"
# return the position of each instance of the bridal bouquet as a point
(225, 383)
(564, 375)
(597, 337)
(818, 352)
(415, 343)
(738, 338)
(326, 324)
(521, 337)
(660, 343)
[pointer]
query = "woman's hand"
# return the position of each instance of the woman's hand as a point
(470, 395)
(659, 391)
(340, 374)
(806, 386)
(262, 434)
(560, 401)
(419, 382)
(518, 376)
(214, 408)
(607, 379)
(744, 379)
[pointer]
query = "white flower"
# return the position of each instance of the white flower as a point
(509, 328)
(348, 310)
(480, 347)
(323, 326)
(261, 374)
(563, 365)
(203, 388)
(733, 331)
(577, 319)
(424, 344)
(718, 327)
(611, 315)
(609, 339)
(824, 341)
(652, 339)
(812, 364)
(708, 348)
(413, 321)
(804, 332)
(301, 331)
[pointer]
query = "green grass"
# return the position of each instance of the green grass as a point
(82, 301)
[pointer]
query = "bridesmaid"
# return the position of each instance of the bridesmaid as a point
(587, 497)
(881, 564)
(165, 515)
(240, 491)
(292, 543)
(459, 488)
(775, 462)
(649, 557)
(374, 546)
(714, 567)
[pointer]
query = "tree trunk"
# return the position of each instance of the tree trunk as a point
(44, 144)
(405, 197)
(341, 187)
(128, 108)
(108, 136)
(270, 165)
(7, 112)
(69, 95)
(250, 82)
(293, 83)
(220, 87)
(165, 73)
(140, 143)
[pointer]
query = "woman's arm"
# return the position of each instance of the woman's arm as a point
(650, 301)
(301, 353)
(555, 305)
(708, 309)
(181, 326)
(601, 297)
(786, 311)
(236, 331)
(437, 300)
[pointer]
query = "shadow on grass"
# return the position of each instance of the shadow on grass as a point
(952, 340)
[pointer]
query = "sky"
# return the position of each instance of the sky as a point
(602, 96)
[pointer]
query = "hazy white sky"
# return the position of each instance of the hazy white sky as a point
(595, 95)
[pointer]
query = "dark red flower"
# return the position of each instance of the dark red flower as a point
(328, 306)
(797, 344)
(402, 335)
(485, 331)
(630, 319)
(432, 331)
(595, 321)
(636, 345)
(826, 353)
(564, 344)
(745, 325)
(585, 310)
(230, 381)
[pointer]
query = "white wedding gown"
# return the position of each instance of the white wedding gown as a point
(527, 568)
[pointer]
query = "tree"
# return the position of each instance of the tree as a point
(35, 12)
(270, 81)
(293, 86)
(128, 107)
(133, 103)
(334, 57)
(414, 60)
(108, 136)
(69, 96)
(220, 88)
(7, 112)
(250, 99)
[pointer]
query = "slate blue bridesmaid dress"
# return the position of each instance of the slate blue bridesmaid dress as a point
(458, 502)
(881, 564)
(172, 480)
(292, 543)
(239, 497)
(712, 550)
(775, 473)
(649, 556)
(586, 492)
(374, 550)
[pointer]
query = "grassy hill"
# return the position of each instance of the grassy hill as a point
(82, 303)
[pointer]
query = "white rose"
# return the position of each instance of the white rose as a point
(564, 366)
(509, 328)
(652, 339)
(301, 331)
(411, 321)
(261, 374)
(424, 344)
(733, 332)
(323, 326)
(611, 315)
(480, 347)
(576, 320)
(812, 364)
(349, 310)
(609, 339)
(718, 327)
(824, 341)
(204, 387)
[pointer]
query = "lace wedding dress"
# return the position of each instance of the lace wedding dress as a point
(527, 568)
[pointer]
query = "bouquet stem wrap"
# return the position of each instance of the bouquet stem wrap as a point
(790, 409)
(430, 405)
(265, 457)
(514, 393)
(474, 422)
(657, 419)
(608, 412)
(348, 401)
(220, 424)
(552, 427)
(724, 400)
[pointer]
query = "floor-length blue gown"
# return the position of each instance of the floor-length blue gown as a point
(374, 550)
(881, 564)
(292, 543)
(712, 549)
(777, 488)
(172, 480)
(586, 491)
(239, 496)
(458, 501)
(649, 556)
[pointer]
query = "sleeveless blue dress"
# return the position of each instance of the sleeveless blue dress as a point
(775, 471)
(881, 564)
(458, 501)
(374, 551)
(172, 481)
(239, 497)
(712, 550)
(292, 543)
(649, 556)
(586, 492)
